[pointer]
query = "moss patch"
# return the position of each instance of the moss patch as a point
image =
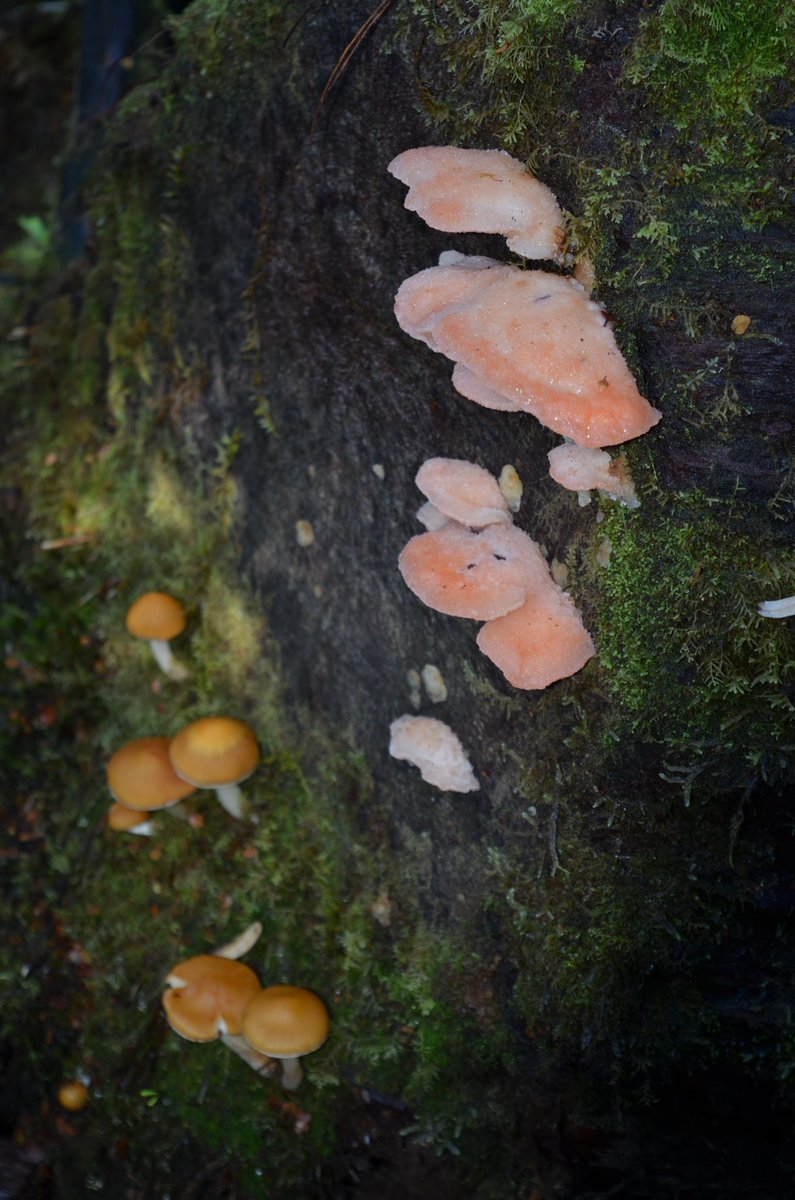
(683, 590)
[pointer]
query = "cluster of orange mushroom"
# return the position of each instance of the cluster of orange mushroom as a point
(212, 996)
(209, 996)
(154, 773)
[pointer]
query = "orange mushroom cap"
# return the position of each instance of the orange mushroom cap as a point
(209, 997)
(140, 776)
(73, 1095)
(156, 615)
(122, 819)
(286, 1022)
(214, 751)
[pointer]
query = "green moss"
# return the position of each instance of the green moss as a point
(684, 650)
(666, 173)
(498, 53)
(732, 52)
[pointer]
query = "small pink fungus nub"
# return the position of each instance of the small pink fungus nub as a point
(464, 491)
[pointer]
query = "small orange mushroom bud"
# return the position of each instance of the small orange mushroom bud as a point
(73, 1095)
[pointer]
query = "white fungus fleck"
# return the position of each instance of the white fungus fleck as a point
(378, 470)
(559, 572)
(304, 533)
(511, 487)
(603, 552)
(435, 685)
(414, 680)
(437, 751)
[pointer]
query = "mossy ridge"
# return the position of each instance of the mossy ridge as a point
(617, 941)
(538, 79)
(139, 907)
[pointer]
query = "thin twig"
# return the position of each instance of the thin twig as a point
(346, 58)
(76, 539)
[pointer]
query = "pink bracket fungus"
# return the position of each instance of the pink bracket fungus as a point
(478, 575)
(497, 574)
(481, 191)
(582, 468)
(437, 751)
(539, 643)
(463, 491)
(533, 341)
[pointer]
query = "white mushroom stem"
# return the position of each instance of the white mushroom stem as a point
(232, 800)
(292, 1073)
(778, 608)
(241, 944)
(165, 659)
(258, 1062)
(145, 829)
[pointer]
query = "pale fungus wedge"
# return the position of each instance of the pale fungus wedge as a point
(785, 607)
(431, 517)
(482, 191)
(436, 750)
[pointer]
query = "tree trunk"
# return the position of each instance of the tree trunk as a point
(625, 874)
